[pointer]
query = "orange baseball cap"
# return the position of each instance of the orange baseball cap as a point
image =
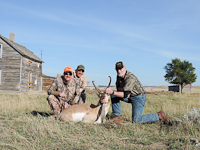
(68, 69)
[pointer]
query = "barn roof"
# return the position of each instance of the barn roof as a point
(21, 49)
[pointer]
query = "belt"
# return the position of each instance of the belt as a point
(143, 93)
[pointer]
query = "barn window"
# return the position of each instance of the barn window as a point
(35, 79)
(30, 76)
(1, 48)
(30, 83)
(29, 63)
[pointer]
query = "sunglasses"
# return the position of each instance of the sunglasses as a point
(81, 70)
(68, 73)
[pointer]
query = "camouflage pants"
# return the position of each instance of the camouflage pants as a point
(56, 104)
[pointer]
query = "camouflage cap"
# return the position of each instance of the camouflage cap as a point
(81, 67)
(119, 65)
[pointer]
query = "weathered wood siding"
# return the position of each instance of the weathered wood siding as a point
(16, 71)
(31, 72)
(10, 66)
(47, 81)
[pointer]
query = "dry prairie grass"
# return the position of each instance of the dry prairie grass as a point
(24, 124)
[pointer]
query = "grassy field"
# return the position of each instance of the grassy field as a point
(25, 124)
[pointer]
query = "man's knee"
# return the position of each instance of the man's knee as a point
(137, 119)
(54, 104)
(137, 114)
(51, 97)
(53, 101)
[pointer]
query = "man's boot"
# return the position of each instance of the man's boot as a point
(116, 119)
(163, 117)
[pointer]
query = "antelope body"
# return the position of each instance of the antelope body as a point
(89, 113)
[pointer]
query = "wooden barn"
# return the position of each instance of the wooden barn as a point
(47, 81)
(20, 69)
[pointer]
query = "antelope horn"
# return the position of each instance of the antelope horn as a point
(96, 87)
(109, 82)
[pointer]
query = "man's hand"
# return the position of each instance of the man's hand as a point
(68, 105)
(116, 93)
(62, 94)
(65, 104)
(109, 91)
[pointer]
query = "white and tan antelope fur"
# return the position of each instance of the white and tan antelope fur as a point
(88, 112)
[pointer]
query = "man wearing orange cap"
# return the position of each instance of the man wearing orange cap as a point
(82, 80)
(64, 92)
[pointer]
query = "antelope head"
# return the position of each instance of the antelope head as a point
(102, 94)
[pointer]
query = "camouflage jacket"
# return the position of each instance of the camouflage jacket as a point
(71, 89)
(129, 83)
(82, 81)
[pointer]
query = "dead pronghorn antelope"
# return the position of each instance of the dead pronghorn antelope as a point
(89, 113)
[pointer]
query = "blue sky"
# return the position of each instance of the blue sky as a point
(145, 35)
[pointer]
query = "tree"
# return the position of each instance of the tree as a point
(181, 73)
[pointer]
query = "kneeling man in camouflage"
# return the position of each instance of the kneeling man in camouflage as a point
(130, 90)
(64, 92)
